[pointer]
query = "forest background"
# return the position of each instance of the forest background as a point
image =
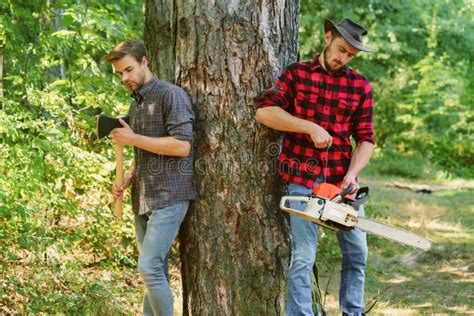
(61, 251)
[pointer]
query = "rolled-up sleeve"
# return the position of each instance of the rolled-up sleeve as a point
(179, 115)
(281, 93)
(362, 119)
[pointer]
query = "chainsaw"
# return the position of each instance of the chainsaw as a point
(334, 208)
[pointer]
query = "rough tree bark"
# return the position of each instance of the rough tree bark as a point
(234, 242)
(160, 37)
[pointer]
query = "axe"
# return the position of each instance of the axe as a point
(105, 125)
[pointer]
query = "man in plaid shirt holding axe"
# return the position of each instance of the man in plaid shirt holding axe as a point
(161, 132)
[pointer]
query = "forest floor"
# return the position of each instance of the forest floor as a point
(406, 281)
(402, 280)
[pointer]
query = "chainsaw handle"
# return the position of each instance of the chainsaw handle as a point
(340, 197)
(346, 191)
(292, 198)
(362, 193)
(361, 197)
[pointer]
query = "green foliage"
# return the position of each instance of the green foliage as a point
(421, 74)
(55, 176)
(61, 250)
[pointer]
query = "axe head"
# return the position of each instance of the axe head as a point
(105, 124)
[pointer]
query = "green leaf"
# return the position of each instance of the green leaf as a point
(67, 20)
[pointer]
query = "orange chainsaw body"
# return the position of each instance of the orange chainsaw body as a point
(329, 191)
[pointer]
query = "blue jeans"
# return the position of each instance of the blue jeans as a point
(304, 236)
(155, 234)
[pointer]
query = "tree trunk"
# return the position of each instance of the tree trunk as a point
(234, 241)
(160, 37)
(55, 16)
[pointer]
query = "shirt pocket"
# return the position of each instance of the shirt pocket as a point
(306, 105)
(345, 109)
(152, 121)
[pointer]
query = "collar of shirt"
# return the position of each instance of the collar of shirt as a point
(143, 91)
(315, 65)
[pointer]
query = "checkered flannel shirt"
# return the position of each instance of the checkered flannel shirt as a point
(342, 104)
(161, 109)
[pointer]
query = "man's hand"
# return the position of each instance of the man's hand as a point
(123, 136)
(118, 191)
(320, 137)
(350, 178)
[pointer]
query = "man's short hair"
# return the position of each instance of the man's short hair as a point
(133, 47)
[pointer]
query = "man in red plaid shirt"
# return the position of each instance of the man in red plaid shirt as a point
(319, 105)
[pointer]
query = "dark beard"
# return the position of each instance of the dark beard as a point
(328, 67)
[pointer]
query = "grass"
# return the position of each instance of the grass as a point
(408, 281)
(400, 279)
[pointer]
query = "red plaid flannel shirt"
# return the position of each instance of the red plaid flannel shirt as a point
(341, 104)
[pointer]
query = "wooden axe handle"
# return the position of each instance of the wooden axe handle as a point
(119, 178)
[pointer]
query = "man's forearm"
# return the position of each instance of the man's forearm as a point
(277, 118)
(360, 157)
(168, 146)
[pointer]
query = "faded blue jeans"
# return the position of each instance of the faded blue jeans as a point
(304, 236)
(155, 234)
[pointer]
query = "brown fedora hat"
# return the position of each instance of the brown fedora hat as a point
(350, 31)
